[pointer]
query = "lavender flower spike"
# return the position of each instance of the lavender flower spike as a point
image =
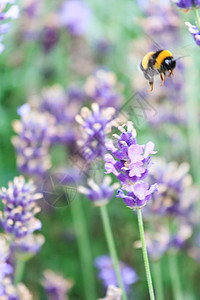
(56, 285)
(187, 4)
(113, 293)
(20, 207)
(193, 29)
(76, 16)
(15, 293)
(28, 245)
(107, 273)
(130, 163)
(6, 15)
(35, 132)
(5, 268)
(95, 124)
(99, 194)
(101, 87)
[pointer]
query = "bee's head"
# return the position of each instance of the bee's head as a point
(169, 63)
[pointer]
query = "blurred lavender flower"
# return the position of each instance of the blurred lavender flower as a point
(63, 106)
(5, 268)
(187, 4)
(95, 124)
(32, 7)
(23, 292)
(11, 292)
(130, 163)
(175, 188)
(101, 88)
(183, 233)
(49, 37)
(35, 131)
(99, 194)
(157, 242)
(161, 17)
(8, 10)
(193, 29)
(28, 246)
(20, 208)
(56, 285)
(76, 16)
(107, 274)
(113, 293)
(103, 47)
(161, 240)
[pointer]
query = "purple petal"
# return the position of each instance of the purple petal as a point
(135, 153)
(149, 149)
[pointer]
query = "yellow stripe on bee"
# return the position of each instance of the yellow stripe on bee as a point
(145, 60)
(161, 57)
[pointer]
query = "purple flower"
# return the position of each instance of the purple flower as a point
(193, 29)
(175, 188)
(157, 242)
(32, 8)
(113, 293)
(49, 37)
(99, 194)
(56, 285)
(63, 106)
(24, 109)
(107, 273)
(20, 208)
(137, 195)
(5, 268)
(130, 163)
(28, 245)
(95, 124)
(76, 16)
(102, 88)
(6, 14)
(10, 292)
(187, 4)
(35, 131)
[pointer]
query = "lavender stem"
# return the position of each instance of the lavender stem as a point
(19, 271)
(157, 276)
(197, 18)
(176, 286)
(145, 256)
(84, 249)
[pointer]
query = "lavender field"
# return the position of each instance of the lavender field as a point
(99, 150)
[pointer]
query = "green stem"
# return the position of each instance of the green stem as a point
(197, 18)
(19, 271)
(176, 286)
(111, 247)
(79, 221)
(145, 256)
(157, 276)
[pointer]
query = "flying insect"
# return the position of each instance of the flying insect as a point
(157, 62)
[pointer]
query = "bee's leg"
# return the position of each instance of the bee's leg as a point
(165, 75)
(170, 73)
(151, 86)
(162, 79)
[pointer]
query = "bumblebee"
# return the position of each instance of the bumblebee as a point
(159, 62)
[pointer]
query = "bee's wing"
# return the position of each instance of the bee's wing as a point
(155, 44)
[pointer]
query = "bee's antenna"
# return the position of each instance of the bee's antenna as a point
(181, 57)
